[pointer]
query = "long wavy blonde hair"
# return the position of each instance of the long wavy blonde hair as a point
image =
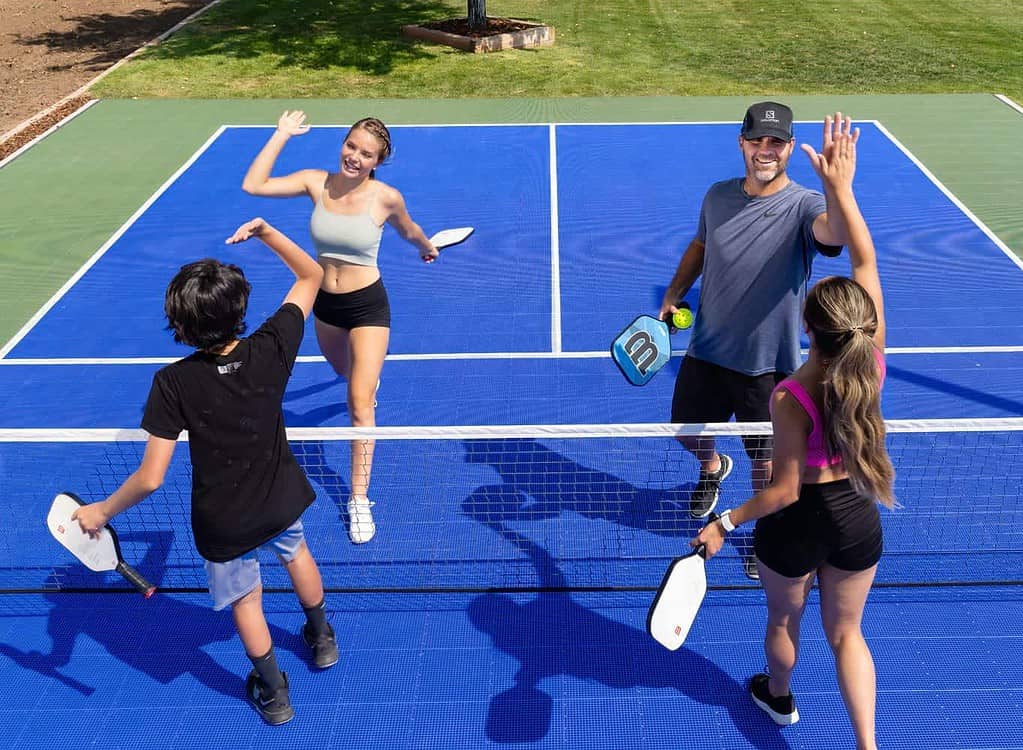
(843, 320)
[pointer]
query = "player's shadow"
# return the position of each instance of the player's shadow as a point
(1008, 406)
(318, 415)
(553, 635)
(319, 467)
(164, 637)
(554, 484)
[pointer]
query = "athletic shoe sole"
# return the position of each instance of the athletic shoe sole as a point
(778, 718)
(726, 464)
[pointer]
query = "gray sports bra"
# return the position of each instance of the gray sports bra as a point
(352, 238)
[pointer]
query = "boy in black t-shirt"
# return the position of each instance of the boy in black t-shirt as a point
(248, 491)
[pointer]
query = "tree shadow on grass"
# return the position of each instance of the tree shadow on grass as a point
(111, 36)
(364, 35)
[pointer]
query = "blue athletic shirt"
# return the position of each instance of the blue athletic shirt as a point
(758, 256)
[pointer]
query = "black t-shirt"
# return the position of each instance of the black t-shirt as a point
(247, 486)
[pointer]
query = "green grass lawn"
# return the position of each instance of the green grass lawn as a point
(352, 48)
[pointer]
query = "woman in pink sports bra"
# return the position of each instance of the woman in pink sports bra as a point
(352, 313)
(818, 519)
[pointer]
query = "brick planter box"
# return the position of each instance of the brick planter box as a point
(536, 35)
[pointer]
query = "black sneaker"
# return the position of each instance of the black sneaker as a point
(705, 496)
(273, 706)
(324, 646)
(749, 567)
(782, 708)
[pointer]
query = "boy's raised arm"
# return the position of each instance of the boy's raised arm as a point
(308, 273)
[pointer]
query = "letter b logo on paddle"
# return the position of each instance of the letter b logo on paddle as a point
(642, 349)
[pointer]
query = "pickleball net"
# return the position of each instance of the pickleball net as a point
(530, 508)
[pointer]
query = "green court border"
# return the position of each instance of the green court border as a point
(64, 197)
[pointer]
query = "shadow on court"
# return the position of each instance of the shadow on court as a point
(321, 414)
(317, 465)
(1010, 407)
(163, 638)
(539, 484)
(552, 635)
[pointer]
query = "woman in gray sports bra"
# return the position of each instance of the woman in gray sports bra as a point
(352, 313)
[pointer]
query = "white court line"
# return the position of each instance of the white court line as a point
(555, 246)
(469, 432)
(555, 252)
(955, 201)
(413, 125)
(1009, 102)
(538, 124)
(470, 356)
(106, 246)
(34, 141)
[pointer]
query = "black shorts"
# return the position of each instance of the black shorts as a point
(705, 392)
(363, 307)
(830, 523)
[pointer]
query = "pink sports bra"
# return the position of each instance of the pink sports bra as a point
(816, 451)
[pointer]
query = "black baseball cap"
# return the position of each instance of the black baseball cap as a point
(767, 119)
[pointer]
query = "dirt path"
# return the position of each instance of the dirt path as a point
(50, 48)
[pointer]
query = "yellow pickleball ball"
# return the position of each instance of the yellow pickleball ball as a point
(682, 319)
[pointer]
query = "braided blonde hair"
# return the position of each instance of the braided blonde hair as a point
(378, 130)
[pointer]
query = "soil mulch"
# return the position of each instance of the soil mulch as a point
(51, 48)
(494, 26)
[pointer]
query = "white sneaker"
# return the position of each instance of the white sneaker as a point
(361, 527)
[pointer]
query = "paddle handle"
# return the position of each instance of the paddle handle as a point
(702, 549)
(136, 579)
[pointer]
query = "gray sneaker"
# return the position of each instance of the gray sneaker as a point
(324, 646)
(705, 496)
(273, 706)
(749, 567)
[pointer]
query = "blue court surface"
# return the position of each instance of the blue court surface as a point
(503, 600)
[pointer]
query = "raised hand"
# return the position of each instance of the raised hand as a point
(249, 229)
(292, 123)
(835, 163)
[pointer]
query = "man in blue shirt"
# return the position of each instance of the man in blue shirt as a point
(754, 249)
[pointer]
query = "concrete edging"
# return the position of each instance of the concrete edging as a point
(537, 35)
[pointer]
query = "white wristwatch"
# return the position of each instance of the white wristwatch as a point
(726, 521)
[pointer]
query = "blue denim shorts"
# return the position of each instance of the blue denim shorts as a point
(231, 580)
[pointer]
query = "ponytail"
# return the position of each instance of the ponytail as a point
(843, 320)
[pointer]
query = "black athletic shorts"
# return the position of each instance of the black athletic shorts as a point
(705, 392)
(830, 523)
(363, 307)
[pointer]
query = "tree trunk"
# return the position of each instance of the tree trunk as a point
(477, 15)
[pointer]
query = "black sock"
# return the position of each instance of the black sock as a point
(316, 616)
(269, 672)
